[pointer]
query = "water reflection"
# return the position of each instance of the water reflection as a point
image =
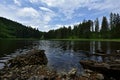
(62, 55)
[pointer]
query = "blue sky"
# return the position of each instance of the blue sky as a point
(52, 14)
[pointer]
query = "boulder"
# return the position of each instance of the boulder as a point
(33, 57)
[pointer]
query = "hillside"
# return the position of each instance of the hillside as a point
(12, 29)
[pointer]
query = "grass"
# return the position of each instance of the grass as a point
(18, 39)
(115, 40)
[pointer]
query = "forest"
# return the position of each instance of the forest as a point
(87, 29)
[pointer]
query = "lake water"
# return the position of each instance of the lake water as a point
(62, 55)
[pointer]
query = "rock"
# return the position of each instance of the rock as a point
(42, 77)
(24, 66)
(99, 76)
(117, 51)
(72, 71)
(33, 57)
(87, 75)
(88, 71)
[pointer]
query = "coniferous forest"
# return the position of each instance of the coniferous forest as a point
(107, 29)
(87, 29)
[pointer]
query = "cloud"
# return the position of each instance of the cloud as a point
(52, 14)
(34, 1)
(17, 2)
(28, 12)
(67, 7)
(7, 11)
(106, 5)
(64, 6)
(35, 18)
(28, 15)
(45, 9)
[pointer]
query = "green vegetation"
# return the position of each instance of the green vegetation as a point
(88, 29)
(113, 40)
(13, 30)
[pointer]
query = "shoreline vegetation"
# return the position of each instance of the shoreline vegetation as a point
(77, 39)
(117, 40)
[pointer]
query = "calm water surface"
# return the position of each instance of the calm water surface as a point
(62, 55)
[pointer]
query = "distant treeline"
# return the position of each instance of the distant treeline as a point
(89, 29)
(12, 29)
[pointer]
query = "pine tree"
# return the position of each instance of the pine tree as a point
(96, 25)
(104, 28)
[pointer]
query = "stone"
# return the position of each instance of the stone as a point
(88, 71)
(33, 57)
(99, 76)
(72, 73)
(87, 75)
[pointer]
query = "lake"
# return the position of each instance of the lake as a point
(62, 55)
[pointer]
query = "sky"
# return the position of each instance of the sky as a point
(52, 14)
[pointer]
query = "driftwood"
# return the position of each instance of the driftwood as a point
(106, 55)
(108, 69)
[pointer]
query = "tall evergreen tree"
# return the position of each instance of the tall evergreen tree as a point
(111, 20)
(96, 25)
(104, 28)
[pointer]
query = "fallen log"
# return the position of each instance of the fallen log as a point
(109, 70)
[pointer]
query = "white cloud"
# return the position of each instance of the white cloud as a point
(107, 5)
(7, 11)
(45, 9)
(67, 7)
(34, 1)
(28, 11)
(36, 18)
(17, 2)
(57, 26)
(27, 16)
(41, 12)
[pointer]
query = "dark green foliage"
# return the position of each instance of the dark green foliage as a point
(88, 29)
(11, 29)
(104, 28)
(115, 25)
(79, 31)
(96, 25)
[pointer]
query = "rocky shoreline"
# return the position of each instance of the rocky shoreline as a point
(110, 68)
(32, 66)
